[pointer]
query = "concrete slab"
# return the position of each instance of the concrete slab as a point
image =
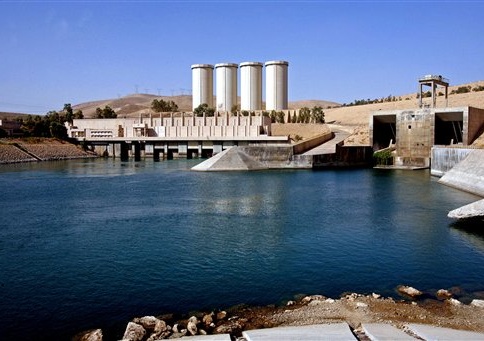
(217, 337)
(383, 331)
(334, 331)
(427, 332)
(475, 209)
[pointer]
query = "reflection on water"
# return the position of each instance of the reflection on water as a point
(88, 243)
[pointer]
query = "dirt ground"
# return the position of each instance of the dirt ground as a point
(356, 309)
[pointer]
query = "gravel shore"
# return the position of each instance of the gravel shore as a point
(39, 149)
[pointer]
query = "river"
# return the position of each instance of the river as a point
(93, 243)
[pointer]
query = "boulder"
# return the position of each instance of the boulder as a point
(221, 315)
(134, 332)
(409, 291)
(192, 325)
(478, 303)
(91, 335)
(443, 294)
(208, 319)
(453, 301)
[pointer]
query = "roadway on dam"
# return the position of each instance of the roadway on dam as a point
(329, 147)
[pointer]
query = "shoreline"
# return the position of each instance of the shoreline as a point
(26, 150)
(439, 309)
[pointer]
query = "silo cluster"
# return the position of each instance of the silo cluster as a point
(250, 85)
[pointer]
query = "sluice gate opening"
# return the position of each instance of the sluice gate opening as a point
(384, 131)
(449, 128)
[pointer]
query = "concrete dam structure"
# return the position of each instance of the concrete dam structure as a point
(413, 133)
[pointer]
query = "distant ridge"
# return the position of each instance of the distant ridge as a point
(134, 104)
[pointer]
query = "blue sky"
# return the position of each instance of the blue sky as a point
(56, 52)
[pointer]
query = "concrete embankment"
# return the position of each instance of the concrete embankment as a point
(467, 174)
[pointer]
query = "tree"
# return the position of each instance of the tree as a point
(304, 115)
(280, 117)
(317, 114)
(68, 112)
(107, 112)
(78, 114)
(235, 108)
(163, 106)
(58, 130)
(204, 109)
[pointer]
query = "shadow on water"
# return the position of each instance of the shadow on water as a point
(474, 226)
(472, 229)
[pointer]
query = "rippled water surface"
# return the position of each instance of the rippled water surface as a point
(94, 243)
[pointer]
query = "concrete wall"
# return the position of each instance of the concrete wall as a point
(415, 133)
(475, 124)
(304, 146)
(224, 125)
(445, 158)
(345, 156)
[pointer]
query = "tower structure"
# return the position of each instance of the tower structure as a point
(226, 86)
(276, 85)
(433, 81)
(251, 86)
(202, 85)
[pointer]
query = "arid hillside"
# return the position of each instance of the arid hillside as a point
(133, 105)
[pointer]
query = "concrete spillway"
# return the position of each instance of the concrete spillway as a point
(229, 160)
(467, 175)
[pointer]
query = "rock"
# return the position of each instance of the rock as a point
(308, 299)
(228, 328)
(152, 323)
(375, 296)
(178, 335)
(361, 305)
(90, 335)
(202, 332)
(453, 301)
(192, 325)
(221, 315)
(409, 291)
(207, 319)
(477, 303)
(134, 332)
(443, 294)
(329, 300)
(289, 303)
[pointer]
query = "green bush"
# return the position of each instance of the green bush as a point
(383, 158)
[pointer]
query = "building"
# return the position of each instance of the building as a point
(178, 134)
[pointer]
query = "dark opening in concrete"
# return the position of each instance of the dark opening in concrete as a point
(448, 128)
(384, 131)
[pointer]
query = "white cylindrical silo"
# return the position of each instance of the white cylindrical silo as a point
(276, 85)
(226, 86)
(202, 85)
(251, 86)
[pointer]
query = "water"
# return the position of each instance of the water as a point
(94, 243)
